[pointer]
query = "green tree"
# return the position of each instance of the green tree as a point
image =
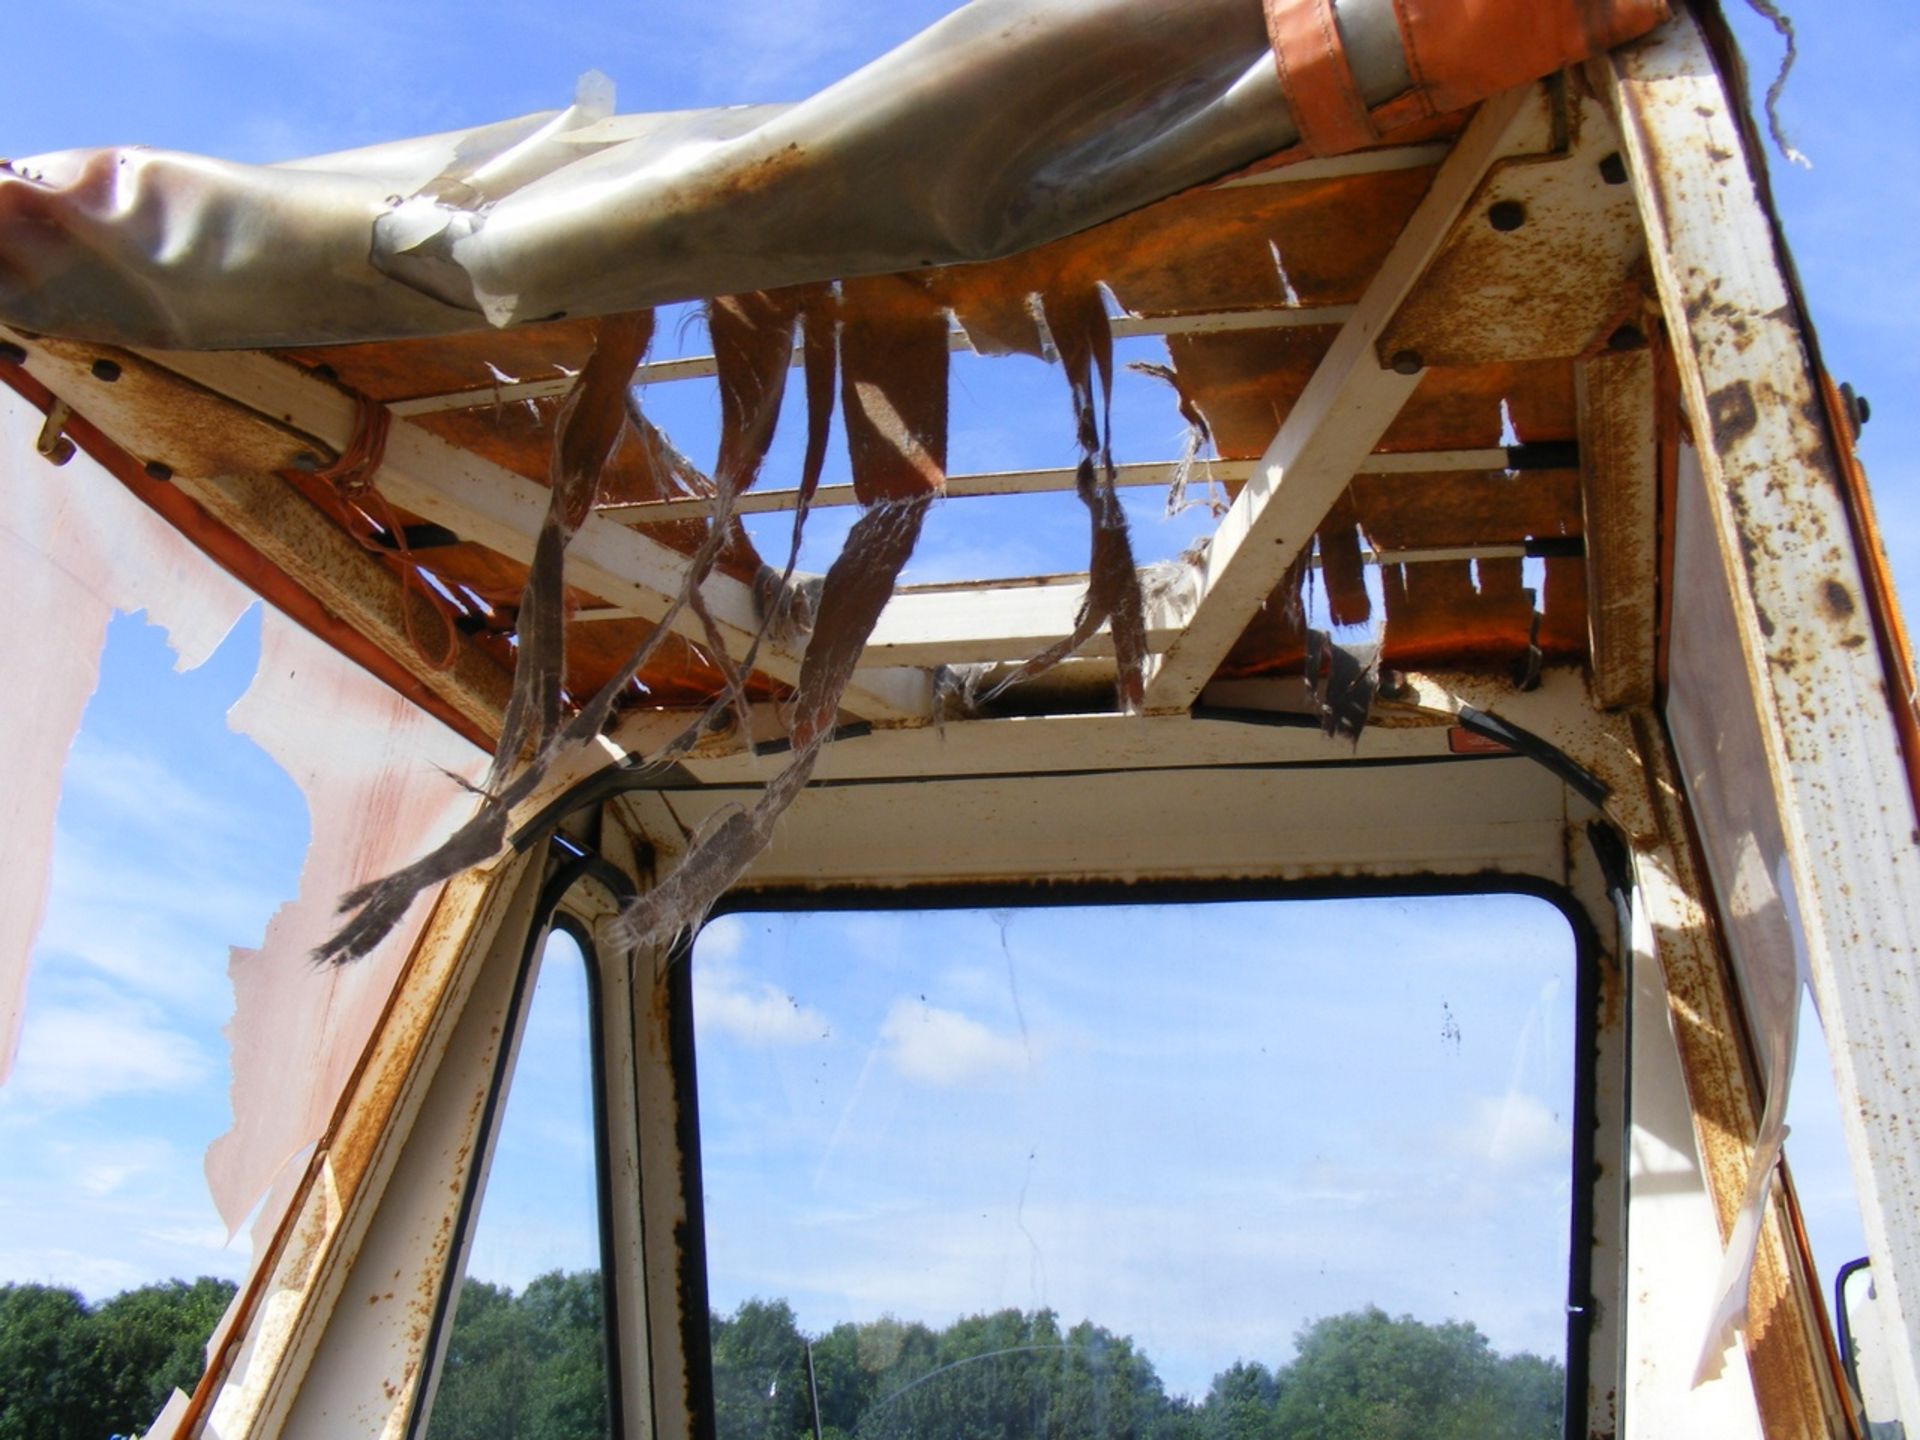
(49, 1385)
(760, 1374)
(1366, 1376)
(153, 1341)
(71, 1372)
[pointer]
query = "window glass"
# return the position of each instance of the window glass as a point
(1266, 1169)
(528, 1354)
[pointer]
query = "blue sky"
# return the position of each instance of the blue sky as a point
(177, 840)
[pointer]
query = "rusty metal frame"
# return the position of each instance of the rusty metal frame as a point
(1794, 1384)
(1810, 638)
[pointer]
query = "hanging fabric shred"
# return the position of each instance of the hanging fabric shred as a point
(1343, 567)
(1782, 23)
(893, 358)
(592, 421)
(1199, 439)
(1342, 680)
(1083, 339)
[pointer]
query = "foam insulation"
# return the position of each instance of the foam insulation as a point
(75, 546)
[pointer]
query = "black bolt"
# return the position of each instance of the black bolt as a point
(1613, 169)
(306, 462)
(159, 470)
(13, 354)
(1506, 215)
(106, 370)
(1408, 362)
(1857, 408)
(1627, 337)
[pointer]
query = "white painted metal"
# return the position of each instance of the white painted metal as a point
(479, 500)
(1493, 815)
(1673, 1238)
(699, 367)
(301, 1280)
(1335, 424)
(1334, 167)
(1036, 482)
(1790, 559)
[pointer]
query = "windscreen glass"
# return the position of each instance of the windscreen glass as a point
(1292, 1168)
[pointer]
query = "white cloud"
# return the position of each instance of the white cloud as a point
(720, 940)
(1515, 1132)
(944, 1047)
(752, 1011)
(73, 1056)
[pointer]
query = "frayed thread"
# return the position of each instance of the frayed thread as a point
(1783, 24)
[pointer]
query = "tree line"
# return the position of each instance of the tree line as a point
(74, 1371)
(532, 1366)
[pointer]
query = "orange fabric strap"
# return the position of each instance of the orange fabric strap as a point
(1458, 52)
(1316, 79)
(1461, 51)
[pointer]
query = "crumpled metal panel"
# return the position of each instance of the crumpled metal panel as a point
(1007, 124)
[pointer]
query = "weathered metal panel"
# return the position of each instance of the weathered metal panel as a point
(1819, 694)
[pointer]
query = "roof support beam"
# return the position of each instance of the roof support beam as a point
(1619, 501)
(1141, 473)
(484, 502)
(1331, 429)
(695, 367)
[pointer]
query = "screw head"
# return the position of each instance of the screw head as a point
(159, 470)
(1408, 362)
(13, 354)
(1506, 215)
(106, 370)
(1613, 169)
(305, 461)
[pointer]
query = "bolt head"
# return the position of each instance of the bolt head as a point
(1506, 215)
(1408, 362)
(106, 371)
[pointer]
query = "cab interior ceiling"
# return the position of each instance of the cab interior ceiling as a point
(1447, 338)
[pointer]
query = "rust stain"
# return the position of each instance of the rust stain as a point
(1732, 414)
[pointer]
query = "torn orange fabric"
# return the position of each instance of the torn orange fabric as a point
(893, 356)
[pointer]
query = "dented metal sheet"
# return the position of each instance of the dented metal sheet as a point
(1072, 115)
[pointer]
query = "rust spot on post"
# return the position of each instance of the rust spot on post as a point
(1732, 414)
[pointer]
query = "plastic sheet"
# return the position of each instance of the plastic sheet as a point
(1723, 756)
(75, 546)
(373, 770)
